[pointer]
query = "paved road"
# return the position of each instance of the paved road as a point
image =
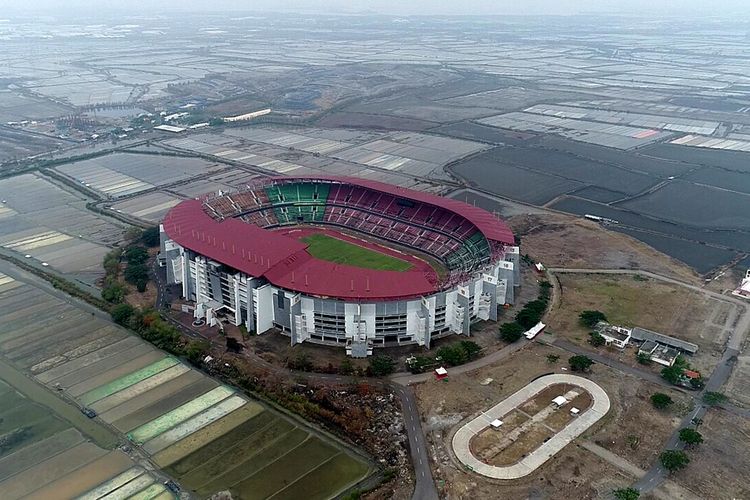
(424, 483)
(657, 474)
(425, 487)
(612, 363)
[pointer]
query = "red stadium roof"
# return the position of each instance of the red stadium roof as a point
(246, 247)
(284, 261)
(492, 227)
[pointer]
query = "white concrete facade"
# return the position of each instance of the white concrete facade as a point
(225, 294)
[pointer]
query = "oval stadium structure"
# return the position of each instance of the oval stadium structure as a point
(340, 261)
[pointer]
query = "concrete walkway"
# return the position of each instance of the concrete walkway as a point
(539, 456)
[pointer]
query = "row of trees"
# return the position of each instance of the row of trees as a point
(528, 316)
(135, 255)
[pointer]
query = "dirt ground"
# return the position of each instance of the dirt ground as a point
(719, 466)
(558, 240)
(739, 381)
(630, 301)
(632, 429)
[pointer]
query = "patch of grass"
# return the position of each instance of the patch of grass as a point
(342, 252)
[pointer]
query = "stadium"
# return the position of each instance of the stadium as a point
(340, 261)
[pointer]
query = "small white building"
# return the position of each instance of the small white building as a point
(496, 423)
(618, 336)
(743, 290)
(559, 401)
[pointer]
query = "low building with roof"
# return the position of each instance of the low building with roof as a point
(618, 336)
(643, 335)
(658, 353)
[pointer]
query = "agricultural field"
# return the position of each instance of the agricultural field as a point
(122, 174)
(332, 249)
(175, 415)
(52, 224)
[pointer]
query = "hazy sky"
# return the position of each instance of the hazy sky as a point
(404, 7)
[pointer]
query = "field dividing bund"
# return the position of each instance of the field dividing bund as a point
(128, 380)
(174, 417)
(215, 432)
(87, 359)
(132, 410)
(117, 371)
(47, 471)
(208, 436)
(112, 484)
(84, 478)
(39, 451)
(160, 406)
(194, 424)
(118, 398)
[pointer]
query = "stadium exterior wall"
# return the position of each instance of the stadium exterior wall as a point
(224, 294)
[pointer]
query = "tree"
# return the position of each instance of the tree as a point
(233, 345)
(381, 366)
(114, 293)
(672, 374)
(196, 351)
(135, 273)
(690, 436)
(346, 367)
(452, 354)
(661, 401)
(133, 233)
(136, 255)
(643, 358)
(122, 313)
(580, 363)
(590, 318)
(713, 398)
(471, 348)
(511, 332)
(301, 362)
(151, 237)
(596, 339)
(626, 494)
(674, 460)
(552, 358)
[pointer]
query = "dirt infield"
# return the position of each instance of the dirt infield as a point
(518, 451)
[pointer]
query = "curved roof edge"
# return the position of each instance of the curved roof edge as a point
(491, 226)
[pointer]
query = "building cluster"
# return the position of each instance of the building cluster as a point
(659, 348)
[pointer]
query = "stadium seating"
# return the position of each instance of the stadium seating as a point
(426, 228)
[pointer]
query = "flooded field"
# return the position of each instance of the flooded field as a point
(205, 435)
(52, 224)
(122, 174)
(488, 172)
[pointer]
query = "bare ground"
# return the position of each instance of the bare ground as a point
(559, 240)
(629, 301)
(574, 472)
(719, 466)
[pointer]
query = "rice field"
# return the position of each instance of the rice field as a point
(205, 435)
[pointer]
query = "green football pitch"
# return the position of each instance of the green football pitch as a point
(342, 252)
